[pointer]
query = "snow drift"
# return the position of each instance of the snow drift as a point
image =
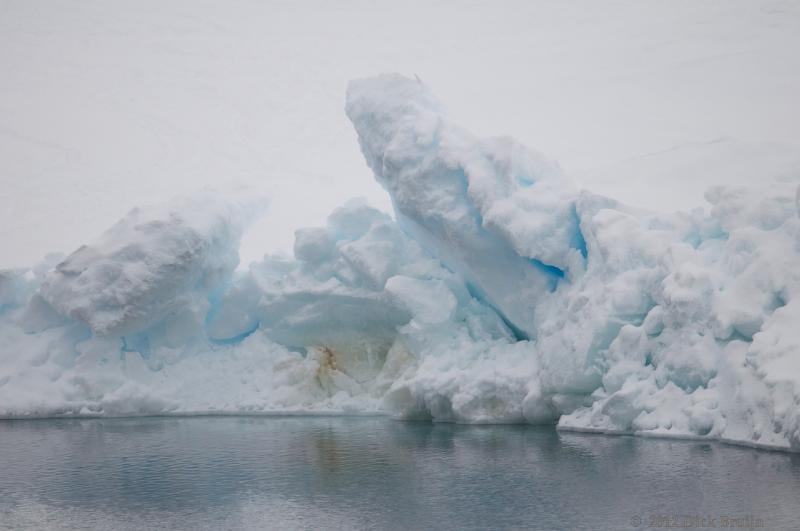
(501, 292)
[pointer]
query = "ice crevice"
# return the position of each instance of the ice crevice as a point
(498, 292)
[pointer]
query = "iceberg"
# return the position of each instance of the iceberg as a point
(499, 292)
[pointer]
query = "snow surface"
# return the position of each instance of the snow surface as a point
(500, 292)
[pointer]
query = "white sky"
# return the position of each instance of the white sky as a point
(105, 105)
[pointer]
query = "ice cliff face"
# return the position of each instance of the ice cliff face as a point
(501, 293)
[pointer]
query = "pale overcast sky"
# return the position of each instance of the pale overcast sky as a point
(106, 105)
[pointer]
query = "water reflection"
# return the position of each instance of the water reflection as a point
(370, 473)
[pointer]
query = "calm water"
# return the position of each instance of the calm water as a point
(374, 473)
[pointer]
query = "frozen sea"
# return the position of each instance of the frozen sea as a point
(376, 473)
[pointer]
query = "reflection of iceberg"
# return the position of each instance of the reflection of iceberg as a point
(501, 293)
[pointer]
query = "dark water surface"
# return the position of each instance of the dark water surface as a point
(375, 473)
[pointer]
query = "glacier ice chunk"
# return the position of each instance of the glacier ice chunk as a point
(491, 210)
(148, 264)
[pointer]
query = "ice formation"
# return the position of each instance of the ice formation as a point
(500, 292)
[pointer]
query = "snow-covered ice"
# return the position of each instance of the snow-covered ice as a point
(147, 266)
(500, 292)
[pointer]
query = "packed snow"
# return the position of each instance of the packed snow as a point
(499, 292)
